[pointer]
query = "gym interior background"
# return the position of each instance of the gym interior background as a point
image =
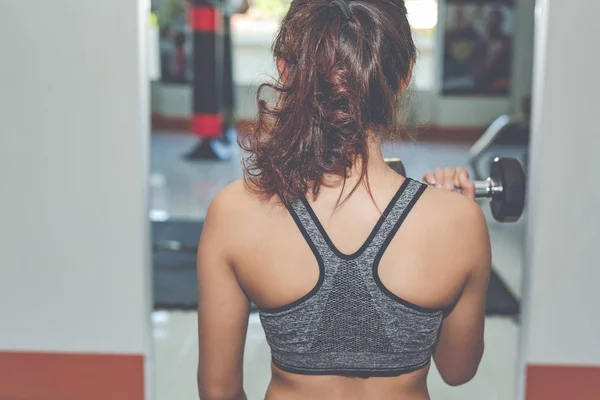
(105, 184)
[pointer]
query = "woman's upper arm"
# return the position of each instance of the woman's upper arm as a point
(223, 310)
(460, 345)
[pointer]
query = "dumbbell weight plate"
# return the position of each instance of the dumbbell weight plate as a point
(508, 204)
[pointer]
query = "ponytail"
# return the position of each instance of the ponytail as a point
(340, 76)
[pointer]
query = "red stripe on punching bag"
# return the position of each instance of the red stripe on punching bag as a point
(208, 126)
(205, 19)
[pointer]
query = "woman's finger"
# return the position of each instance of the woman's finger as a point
(439, 177)
(449, 174)
(457, 178)
(429, 178)
(465, 183)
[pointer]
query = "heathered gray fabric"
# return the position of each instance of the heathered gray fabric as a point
(348, 324)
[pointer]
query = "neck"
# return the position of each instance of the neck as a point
(376, 168)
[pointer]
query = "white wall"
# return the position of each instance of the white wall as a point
(74, 268)
(560, 322)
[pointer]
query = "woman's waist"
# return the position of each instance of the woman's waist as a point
(409, 386)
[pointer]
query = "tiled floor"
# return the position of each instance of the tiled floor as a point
(181, 189)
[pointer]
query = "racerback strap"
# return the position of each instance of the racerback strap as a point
(384, 230)
(400, 209)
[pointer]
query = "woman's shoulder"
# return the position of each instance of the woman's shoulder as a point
(452, 208)
(453, 222)
(239, 201)
(238, 217)
(238, 195)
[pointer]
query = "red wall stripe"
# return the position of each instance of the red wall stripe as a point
(60, 376)
(205, 19)
(207, 126)
(559, 382)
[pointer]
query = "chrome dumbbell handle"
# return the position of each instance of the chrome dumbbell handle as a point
(487, 189)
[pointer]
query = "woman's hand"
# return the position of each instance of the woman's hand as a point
(451, 179)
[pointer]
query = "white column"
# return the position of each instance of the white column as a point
(523, 52)
(74, 148)
(561, 321)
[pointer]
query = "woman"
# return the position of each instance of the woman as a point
(357, 272)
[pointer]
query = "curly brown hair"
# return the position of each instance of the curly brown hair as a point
(340, 81)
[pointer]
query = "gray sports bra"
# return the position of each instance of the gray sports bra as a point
(350, 323)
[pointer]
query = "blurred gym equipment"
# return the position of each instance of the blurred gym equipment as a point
(213, 98)
(505, 187)
(501, 128)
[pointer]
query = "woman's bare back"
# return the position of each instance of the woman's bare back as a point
(427, 263)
